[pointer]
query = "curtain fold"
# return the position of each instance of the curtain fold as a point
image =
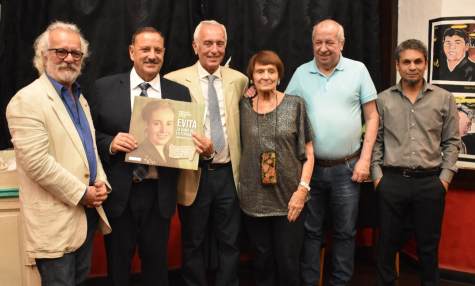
(281, 25)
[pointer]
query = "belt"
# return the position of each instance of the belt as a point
(216, 166)
(331, 163)
(413, 173)
(137, 180)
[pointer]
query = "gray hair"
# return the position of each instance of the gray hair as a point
(41, 44)
(209, 22)
(340, 34)
(465, 109)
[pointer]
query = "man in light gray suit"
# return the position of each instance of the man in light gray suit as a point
(211, 191)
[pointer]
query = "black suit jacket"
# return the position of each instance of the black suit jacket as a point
(111, 111)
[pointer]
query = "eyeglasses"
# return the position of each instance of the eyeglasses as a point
(63, 53)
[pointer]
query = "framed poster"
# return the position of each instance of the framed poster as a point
(452, 54)
(163, 129)
(452, 67)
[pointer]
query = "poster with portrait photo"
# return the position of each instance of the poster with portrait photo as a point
(163, 129)
(452, 54)
(452, 67)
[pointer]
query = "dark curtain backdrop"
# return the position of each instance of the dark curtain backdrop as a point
(280, 25)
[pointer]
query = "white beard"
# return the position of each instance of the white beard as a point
(64, 73)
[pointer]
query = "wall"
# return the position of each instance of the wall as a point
(414, 15)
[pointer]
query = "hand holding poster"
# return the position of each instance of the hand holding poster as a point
(164, 128)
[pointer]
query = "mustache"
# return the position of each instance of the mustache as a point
(151, 61)
(68, 66)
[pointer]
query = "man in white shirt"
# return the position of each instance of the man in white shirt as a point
(142, 206)
(211, 191)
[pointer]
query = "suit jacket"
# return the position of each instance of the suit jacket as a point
(110, 105)
(234, 85)
(150, 156)
(53, 170)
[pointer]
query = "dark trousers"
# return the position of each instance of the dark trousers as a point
(277, 244)
(420, 201)
(332, 189)
(142, 226)
(72, 268)
(216, 198)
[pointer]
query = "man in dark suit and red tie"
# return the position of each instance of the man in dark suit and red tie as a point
(143, 202)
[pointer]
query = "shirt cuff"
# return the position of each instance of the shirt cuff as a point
(376, 173)
(446, 175)
(110, 150)
(210, 158)
(83, 197)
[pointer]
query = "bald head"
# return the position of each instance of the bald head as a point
(330, 25)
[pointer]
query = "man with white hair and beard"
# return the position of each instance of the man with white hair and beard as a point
(62, 183)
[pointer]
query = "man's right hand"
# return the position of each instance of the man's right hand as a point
(123, 142)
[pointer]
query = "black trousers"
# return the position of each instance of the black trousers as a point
(216, 198)
(277, 244)
(142, 226)
(420, 201)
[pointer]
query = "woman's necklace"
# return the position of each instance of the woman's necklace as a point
(268, 156)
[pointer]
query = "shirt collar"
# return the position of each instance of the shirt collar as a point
(60, 88)
(425, 88)
(314, 68)
(202, 73)
(135, 80)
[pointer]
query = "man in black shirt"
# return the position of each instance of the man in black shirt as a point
(455, 64)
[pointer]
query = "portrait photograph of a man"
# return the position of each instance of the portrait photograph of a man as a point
(452, 54)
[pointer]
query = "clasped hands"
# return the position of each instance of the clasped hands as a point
(95, 195)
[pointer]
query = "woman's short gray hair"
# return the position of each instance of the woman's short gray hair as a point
(41, 44)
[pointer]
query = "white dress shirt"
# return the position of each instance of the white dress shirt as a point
(223, 156)
(153, 91)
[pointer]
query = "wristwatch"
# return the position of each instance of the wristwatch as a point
(305, 185)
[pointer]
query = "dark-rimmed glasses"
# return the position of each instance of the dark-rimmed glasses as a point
(63, 53)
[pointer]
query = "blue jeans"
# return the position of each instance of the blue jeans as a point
(71, 268)
(332, 189)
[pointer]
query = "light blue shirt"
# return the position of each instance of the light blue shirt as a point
(334, 105)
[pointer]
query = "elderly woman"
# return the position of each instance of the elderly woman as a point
(276, 167)
(159, 118)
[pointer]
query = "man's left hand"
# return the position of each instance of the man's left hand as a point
(445, 184)
(361, 171)
(203, 145)
(101, 191)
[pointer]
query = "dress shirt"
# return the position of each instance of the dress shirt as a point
(423, 134)
(223, 156)
(334, 105)
(80, 122)
(153, 91)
